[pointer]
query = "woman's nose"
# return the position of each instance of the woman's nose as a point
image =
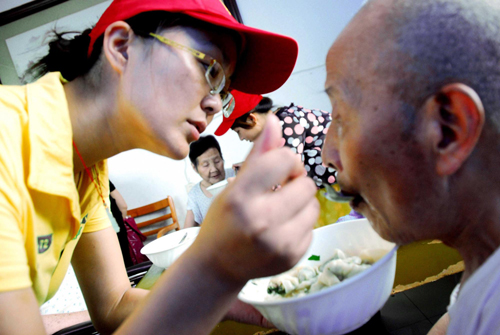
(212, 167)
(211, 105)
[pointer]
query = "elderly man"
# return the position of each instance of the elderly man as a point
(415, 136)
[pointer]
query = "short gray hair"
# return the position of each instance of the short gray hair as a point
(445, 41)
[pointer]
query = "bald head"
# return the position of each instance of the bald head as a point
(415, 88)
(416, 47)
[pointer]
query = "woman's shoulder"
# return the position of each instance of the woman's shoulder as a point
(196, 192)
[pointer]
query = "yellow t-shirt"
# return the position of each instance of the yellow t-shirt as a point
(44, 208)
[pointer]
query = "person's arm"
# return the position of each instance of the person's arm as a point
(120, 202)
(236, 243)
(190, 220)
(19, 313)
(441, 326)
(103, 279)
(56, 322)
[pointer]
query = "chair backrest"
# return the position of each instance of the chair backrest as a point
(151, 208)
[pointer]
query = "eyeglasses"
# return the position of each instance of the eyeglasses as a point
(214, 73)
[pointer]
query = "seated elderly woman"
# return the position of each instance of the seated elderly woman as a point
(206, 159)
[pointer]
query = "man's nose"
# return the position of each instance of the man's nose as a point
(331, 156)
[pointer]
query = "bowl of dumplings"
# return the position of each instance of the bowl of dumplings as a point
(344, 279)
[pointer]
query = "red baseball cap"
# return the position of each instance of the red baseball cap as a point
(265, 63)
(244, 103)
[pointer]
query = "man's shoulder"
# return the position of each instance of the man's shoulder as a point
(475, 311)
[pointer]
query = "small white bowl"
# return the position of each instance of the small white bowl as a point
(340, 308)
(216, 188)
(165, 250)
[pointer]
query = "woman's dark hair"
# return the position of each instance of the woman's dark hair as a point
(199, 147)
(244, 122)
(68, 55)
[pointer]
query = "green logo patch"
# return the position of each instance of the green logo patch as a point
(44, 243)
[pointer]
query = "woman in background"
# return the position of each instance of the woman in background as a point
(303, 130)
(206, 159)
(149, 75)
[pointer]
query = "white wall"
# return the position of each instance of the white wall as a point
(143, 177)
(6, 5)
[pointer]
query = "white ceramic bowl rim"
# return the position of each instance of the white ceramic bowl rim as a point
(218, 184)
(338, 286)
(145, 251)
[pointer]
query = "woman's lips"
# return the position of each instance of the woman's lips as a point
(199, 125)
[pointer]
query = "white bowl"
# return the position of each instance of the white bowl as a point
(216, 188)
(340, 308)
(165, 250)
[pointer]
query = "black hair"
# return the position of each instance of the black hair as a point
(199, 147)
(262, 107)
(68, 53)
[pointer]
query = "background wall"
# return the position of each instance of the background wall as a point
(143, 177)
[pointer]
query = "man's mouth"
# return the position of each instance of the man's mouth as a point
(338, 194)
(356, 201)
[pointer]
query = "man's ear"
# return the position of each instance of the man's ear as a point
(458, 113)
(117, 38)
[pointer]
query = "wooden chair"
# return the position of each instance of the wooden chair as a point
(151, 208)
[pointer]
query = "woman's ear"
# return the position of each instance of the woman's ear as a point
(117, 38)
(458, 116)
(252, 119)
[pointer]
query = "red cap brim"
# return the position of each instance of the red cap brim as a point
(224, 126)
(267, 60)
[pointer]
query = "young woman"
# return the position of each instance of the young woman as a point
(303, 130)
(148, 75)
